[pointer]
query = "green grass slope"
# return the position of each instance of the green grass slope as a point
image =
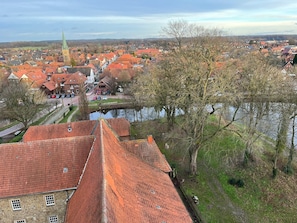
(228, 191)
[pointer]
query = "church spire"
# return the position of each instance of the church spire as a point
(64, 46)
(65, 51)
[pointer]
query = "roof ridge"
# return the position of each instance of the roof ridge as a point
(95, 127)
(104, 218)
(86, 163)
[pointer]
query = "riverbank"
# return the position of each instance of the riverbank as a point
(258, 197)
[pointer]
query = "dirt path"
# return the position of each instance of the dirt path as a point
(70, 116)
(226, 203)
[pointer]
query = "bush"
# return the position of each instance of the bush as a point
(240, 183)
(232, 181)
(235, 182)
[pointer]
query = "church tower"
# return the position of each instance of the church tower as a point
(65, 51)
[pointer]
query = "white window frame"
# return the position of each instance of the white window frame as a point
(16, 204)
(49, 200)
(53, 219)
(20, 221)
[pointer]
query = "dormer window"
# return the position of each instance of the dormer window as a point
(16, 204)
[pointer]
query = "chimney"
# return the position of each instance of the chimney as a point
(150, 139)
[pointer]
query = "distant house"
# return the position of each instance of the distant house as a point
(73, 82)
(87, 71)
(64, 84)
(105, 86)
(149, 52)
(33, 77)
(83, 172)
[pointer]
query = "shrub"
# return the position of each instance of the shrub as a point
(234, 182)
(240, 183)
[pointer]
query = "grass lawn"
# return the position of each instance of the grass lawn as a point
(259, 198)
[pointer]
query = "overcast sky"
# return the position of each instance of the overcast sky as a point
(35, 20)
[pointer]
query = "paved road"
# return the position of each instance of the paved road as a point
(59, 113)
(11, 130)
(56, 115)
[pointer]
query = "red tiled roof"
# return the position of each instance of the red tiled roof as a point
(50, 85)
(86, 203)
(42, 166)
(54, 131)
(117, 66)
(148, 152)
(58, 78)
(109, 56)
(33, 75)
(76, 78)
(114, 182)
(151, 51)
(130, 191)
(120, 125)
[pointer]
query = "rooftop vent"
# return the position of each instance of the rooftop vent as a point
(65, 170)
(69, 128)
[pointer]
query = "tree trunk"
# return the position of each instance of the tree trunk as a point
(170, 115)
(289, 168)
(281, 140)
(193, 161)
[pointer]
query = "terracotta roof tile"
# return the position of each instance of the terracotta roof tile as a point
(119, 187)
(114, 183)
(42, 166)
(76, 78)
(86, 203)
(53, 131)
(136, 192)
(50, 85)
(149, 152)
(120, 125)
(124, 188)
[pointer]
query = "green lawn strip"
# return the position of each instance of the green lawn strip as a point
(96, 103)
(72, 109)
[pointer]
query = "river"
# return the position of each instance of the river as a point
(268, 125)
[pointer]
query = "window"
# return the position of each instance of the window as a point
(49, 200)
(20, 221)
(53, 219)
(16, 204)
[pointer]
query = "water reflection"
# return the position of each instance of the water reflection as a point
(268, 125)
(132, 115)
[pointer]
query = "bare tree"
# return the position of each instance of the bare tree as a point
(190, 78)
(83, 103)
(21, 103)
(287, 111)
(158, 88)
(178, 30)
(281, 141)
(289, 167)
(260, 83)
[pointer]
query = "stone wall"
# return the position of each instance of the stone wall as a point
(34, 208)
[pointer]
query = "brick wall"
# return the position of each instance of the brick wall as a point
(34, 208)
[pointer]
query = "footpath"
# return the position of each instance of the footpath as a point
(56, 116)
(58, 112)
